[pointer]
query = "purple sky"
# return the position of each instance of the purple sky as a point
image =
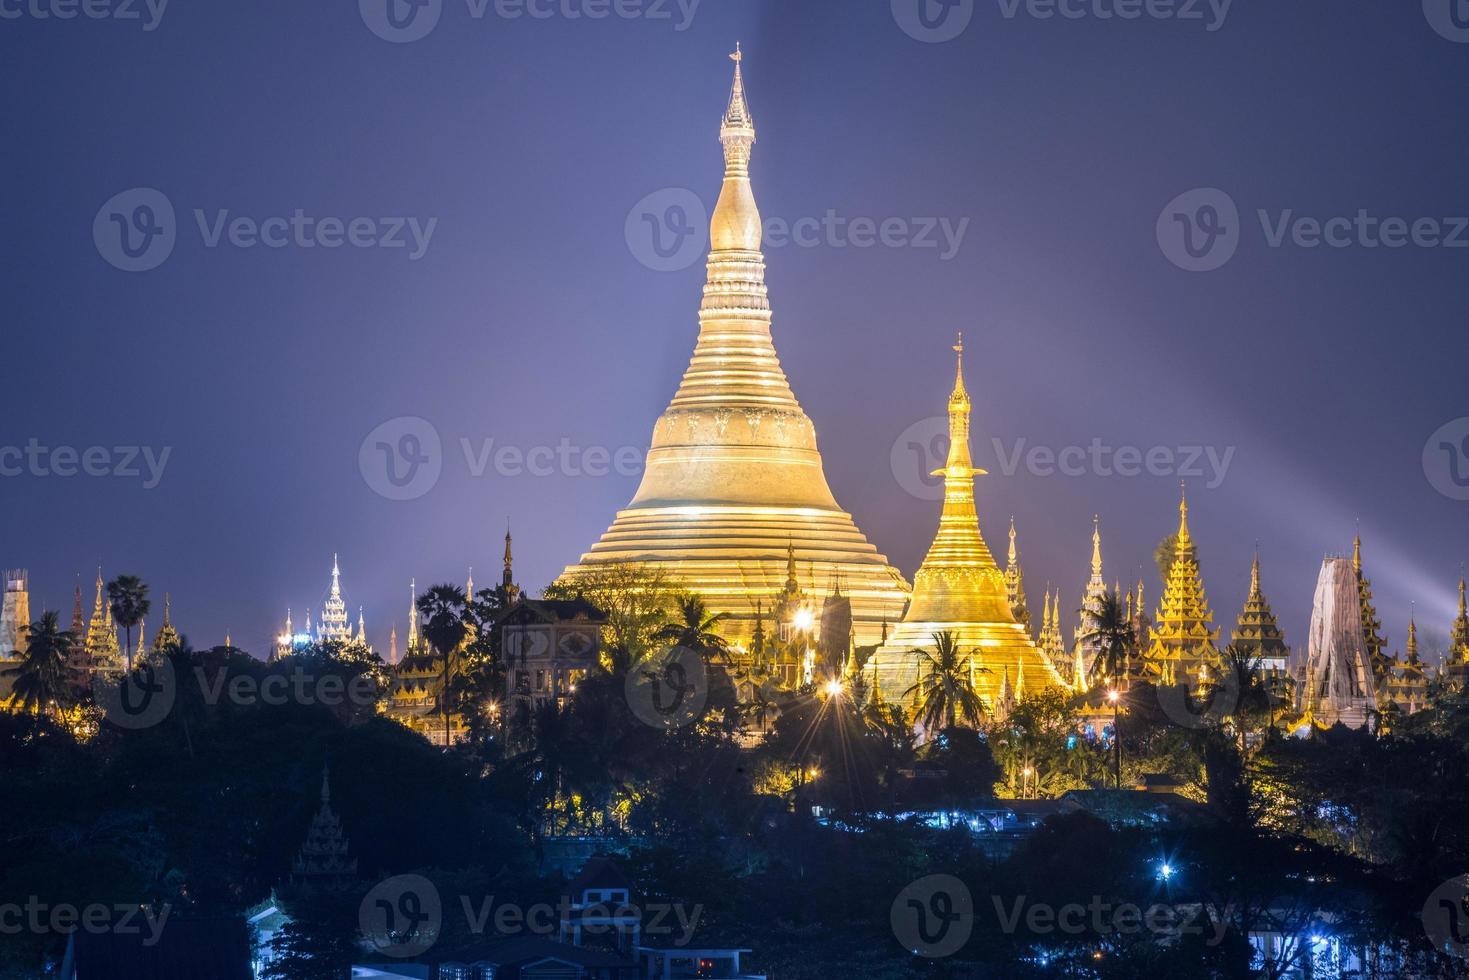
(529, 319)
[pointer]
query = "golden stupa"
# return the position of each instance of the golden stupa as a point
(959, 589)
(734, 480)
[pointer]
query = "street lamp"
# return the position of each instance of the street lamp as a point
(833, 688)
(1026, 773)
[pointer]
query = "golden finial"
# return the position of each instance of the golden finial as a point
(738, 55)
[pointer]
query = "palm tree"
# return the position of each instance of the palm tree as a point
(694, 629)
(1254, 702)
(945, 692)
(40, 677)
(128, 597)
(1112, 634)
(443, 606)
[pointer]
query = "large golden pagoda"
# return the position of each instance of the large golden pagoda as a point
(959, 589)
(1182, 649)
(734, 478)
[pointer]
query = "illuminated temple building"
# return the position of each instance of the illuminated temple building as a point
(1182, 644)
(734, 477)
(959, 589)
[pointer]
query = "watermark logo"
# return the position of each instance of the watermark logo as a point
(137, 699)
(1450, 18)
(1208, 709)
(933, 917)
(668, 689)
(933, 21)
(135, 230)
(918, 455)
(668, 229)
(1446, 917)
(1446, 459)
(402, 458)
(400, 21)
(1199, 230)
(401, 916)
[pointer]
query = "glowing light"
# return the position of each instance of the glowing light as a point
(833, 688)
(813, 774)
(803, 620)
(1165, 871)
(1113, 696)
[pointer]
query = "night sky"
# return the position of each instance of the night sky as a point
(529, 319)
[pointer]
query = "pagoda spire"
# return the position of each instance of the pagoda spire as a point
(959, 588)
(1015, 583)
(1086, 635)
(1412, 648)
(1097, 546)
(1183, 635)
(412, 615)
(393, 646)
(734, 464)
(1257, 630)
(1459, 635)
(507, 576)
(78, 619)
(167, 637)
(101, 643)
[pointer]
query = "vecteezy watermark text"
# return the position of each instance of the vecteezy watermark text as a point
(149, 13)
(40, 918)
(403, 458)
(668, 230)
(1200, 230)
(920, 452)
(403, 916)
(137, 229)
(404, 21)
(937, 21)
(123, 462)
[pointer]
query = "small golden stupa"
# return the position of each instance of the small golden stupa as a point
(959, 589)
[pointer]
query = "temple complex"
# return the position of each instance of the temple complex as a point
(959, 589)
(734, 477)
